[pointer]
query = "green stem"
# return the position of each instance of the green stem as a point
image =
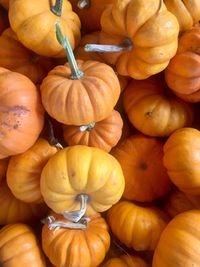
(87, 127)
(57, 8)
(64, 41)
(83, 4)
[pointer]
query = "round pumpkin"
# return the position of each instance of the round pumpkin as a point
(34, 24)
(126, 260)
(78, 170)
(104, 134)
(135, 226)
(24, 170)
(153, 109)
(181, 159)
(20, 247)
(144, 35)
(15, 57)
(187, 12)
(182, 74)
(179, 242)
(76, 247)
(3, 168)
(141, 159)
(21, 113)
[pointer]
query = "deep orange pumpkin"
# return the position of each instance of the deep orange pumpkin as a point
(126, 260)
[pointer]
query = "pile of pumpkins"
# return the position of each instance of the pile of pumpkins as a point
(99, 133)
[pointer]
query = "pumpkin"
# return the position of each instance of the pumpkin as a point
(76, 247)
(104, 134)
(153, 110)
(187, 12)
(19, 246)
(24, 170)
(79, 93)
(138, 37)
(181, 159)
(178, 202)
(141, 159)
(15, 57)
(91, 9)
(135, 226)
(17, 211)
(3, 168)
(81, 173)
(182, 74)
(179, 242)
(5, 3)
(34, 24)
(126, 260)
(21, 113)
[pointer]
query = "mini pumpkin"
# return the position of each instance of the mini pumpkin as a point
(126, 260)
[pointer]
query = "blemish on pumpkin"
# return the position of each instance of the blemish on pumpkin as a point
(149, 114)
(143, 166)
(73, 173)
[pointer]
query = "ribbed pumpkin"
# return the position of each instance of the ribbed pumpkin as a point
(3, 168)
(187, 12)
(153, 109)
(24, 170)
(126, 261)
(137, 227)
(104, 134)
(15, 57)
(182, 161)
(21, 113)
(144, 32)
(19, 247)
(77, 247)
(14, 210)
(81, 170)
(179, 243)
(182, 74)
(141, 159)
(34, 24)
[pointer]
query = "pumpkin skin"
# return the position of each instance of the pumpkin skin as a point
(79, 102)
(19, 246)
(145, 176)
(187, 12)
(73, 247)
(80, 169)
(21, 113)
(181, 159)
(15, 57)
(34, 25)
(136, 227)
(16, 211)
(150, 28)
(179, 243)
(105, 134)
(24, 170)
(182, 74)
(153, 110)
(126, 261)
(3, 168)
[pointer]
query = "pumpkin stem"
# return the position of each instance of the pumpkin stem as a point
(64, 41)
(57, 8)
(76, 215)
(87, 127)
(51, 136)
(126, 45)
(160, 5)
(83, 4)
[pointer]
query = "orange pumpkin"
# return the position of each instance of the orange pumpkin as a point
(179, 243)
(182, 74)
(81, 171)
(104, 134)
(142, 36)
(24, 170)
(76, 247)
(181, 159)
(153, 110)
(20, 247)
(21, 113)
(15, 57)
(126, 261)
(34, 24)
(187, 12)
(145, 176)
(15, 211)
(3, 168)
(137, 227)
